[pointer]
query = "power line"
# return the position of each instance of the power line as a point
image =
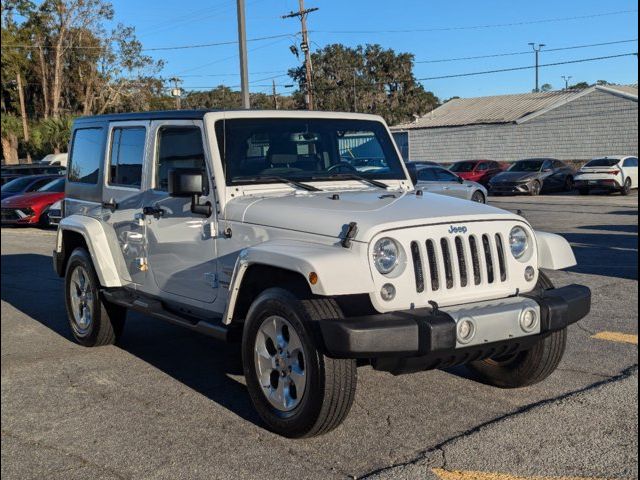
(479, 27)
(526, 52)
(528, 67)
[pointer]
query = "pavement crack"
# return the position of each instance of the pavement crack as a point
(39, 444)
(440, 448)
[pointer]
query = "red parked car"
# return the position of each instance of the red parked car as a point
(480, 171)
(31, 208)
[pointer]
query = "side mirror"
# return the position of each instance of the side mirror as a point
(460, 180)
(189, 182)
(413, 173)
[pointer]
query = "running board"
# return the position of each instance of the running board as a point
(155, 308)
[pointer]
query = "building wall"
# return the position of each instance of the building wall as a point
(596, 124)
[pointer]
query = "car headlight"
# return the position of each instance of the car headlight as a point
(519, 242)
(386, 255)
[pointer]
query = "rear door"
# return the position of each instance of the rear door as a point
(123, 193)
(181, 245)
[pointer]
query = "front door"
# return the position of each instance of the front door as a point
(630, 169)
(123, 195)
(181, 244)
(451, 184)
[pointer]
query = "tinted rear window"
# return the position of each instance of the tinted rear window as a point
(603, 162)
(86, 153)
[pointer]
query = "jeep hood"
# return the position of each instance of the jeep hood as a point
(373, 210)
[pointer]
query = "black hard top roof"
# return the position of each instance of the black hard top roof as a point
(157, 115)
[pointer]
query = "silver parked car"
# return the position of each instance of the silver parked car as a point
(435, 179)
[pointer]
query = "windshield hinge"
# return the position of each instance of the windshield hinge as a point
(352, 230)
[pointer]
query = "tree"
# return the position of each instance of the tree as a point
(579, 86)
(10, 134)
(547, 87)
(368, 79)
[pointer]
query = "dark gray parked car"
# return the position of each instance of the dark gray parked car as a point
(532, 177)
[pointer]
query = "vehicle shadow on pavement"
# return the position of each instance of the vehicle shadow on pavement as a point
(199, 362)
(606, 254)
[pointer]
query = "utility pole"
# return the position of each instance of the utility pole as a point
(242, 41)
(176, 92)
(275, 95)
(566, 81)
(302, 14)
(537, 50)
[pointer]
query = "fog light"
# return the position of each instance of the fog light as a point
(529, 273)
(388, 292)
(529, 320)
(466, 330)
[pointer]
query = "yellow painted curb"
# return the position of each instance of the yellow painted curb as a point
(617, 337)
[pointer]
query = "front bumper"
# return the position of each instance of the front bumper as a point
(422, 339)
(509, 188)
(18, 216)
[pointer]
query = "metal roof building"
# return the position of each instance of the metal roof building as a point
(569, 125)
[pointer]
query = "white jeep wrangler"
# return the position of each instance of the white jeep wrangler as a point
(301, 235)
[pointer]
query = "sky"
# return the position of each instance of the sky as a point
(431, 30)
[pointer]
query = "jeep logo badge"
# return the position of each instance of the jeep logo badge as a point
(453, 229)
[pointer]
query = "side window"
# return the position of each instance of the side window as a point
(445, 176)
(558, 164)
(547, 165)
(127, 156)
(86, 152)
(483, 167)
(38, 184)
(426, 175)
(631, 162)
(178, 147)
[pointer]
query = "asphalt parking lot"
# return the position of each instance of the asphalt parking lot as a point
(167, 403)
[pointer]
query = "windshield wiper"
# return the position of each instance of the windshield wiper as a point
(273, 179)
(355, 176)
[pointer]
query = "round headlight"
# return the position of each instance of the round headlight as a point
(518, 241)
(386, 255)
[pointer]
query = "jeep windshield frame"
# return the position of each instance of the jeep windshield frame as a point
(306, 150)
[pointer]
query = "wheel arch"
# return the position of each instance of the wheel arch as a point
(81, 231)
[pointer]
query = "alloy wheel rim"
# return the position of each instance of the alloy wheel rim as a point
(280, 363)
(81, 295)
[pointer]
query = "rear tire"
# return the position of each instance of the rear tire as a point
(626, 189)
(94, 321)
(329, 384)
(529, 367)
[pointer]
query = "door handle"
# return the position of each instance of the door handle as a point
(155, 211)
(110, 205)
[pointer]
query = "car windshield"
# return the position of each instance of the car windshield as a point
(17, 184)
(275, 150)
(603, 162)
(463, 167)
(54, 186)
(527, 166)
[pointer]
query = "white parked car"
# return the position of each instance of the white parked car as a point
(55, 159)
(258, 227)
(434, 179)
(615, 173)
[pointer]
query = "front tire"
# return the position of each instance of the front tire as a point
(529, 367)
(296, 389)
(536, 189)
(478, 197)
(94, 321)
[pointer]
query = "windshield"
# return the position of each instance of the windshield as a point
(527, 166)
(268, 150)
(55, 186)
(17, 184)
(463, 167)
(603, 162)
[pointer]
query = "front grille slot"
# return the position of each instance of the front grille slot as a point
(433, 265)
(488, 258)
(501, 260)
(462, 262)
(475, 260)
(417, 266)
(448, 267)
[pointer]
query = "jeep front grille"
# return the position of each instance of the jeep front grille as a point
(461, 262)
